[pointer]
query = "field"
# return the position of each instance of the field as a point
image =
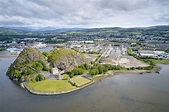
(79, 80)
(127, 62)
(164, 61)
(97, 76)
(51, 85)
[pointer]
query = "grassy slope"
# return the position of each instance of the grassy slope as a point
(164, 61)
(81, 81)
(51, 85)
(66, 59)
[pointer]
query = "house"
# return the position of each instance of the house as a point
(56, 73)
(38, 45)
(14, 50)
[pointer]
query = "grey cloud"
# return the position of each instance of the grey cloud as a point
(83, 13)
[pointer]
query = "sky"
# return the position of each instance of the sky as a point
(83, 13)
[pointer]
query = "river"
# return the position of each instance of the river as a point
(120, 93)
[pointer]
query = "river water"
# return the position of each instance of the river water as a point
(120, 93)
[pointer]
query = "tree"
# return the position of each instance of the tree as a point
(45, 68)
(71, 75)
(82, 66)
(38, 66)
(16, 74)
(77, 71)
(27, 71)
(93, 72)
(45, 54)
(39, 77)
(100, 69)
(87, 67)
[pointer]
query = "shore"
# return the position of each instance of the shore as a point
(24, 85)
(108, 74)
(156, 69)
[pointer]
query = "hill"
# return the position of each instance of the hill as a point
(9, 31)
(28, 65)
(66, 59)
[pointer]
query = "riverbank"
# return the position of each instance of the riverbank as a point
(49, 89)
(160, 61)
(95, 79)
(98, 78)
(32, 91)
(140, 92)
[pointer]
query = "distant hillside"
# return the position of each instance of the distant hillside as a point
(34, 31)
(8, 31)
(66, 59)
(156, 30)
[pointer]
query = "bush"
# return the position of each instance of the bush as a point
(65, 77)
(84, 66)
(93, 72)
(77, 71)
(33, 80)
(39, 77)
(45, 68)
(38, 66)
(27, 71)
(15, 73)
(72, 75)
(45, 54)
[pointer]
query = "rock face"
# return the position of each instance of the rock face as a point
(30, 63)
(66, 59)
(29, 55)
(24, 61)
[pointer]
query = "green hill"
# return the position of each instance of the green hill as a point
(28, 65)
(66, 59)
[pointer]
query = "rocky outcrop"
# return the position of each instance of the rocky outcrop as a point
(66, 59)
(22, 67)
(28, 55)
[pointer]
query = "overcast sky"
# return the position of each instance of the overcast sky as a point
(83, 13)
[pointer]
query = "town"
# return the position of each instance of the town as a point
(143, 41)
(84, 55)
(81, 58)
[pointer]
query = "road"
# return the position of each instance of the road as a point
(105, 53)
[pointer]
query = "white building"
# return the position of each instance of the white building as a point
(147, 53)
(14, 50)
(159, 52)
(38, 45)
(56, 73)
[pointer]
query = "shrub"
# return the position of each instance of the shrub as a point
(93, 72)
(39, 77)
(65, 77)
(27, 71)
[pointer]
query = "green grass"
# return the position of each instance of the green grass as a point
(51, 85)
(164, 61)
(2, 49)
(136, 33)
(55, 54)
(110, 72)
(65, 77)
(75, 32)
(99, 75)
(79, 81)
